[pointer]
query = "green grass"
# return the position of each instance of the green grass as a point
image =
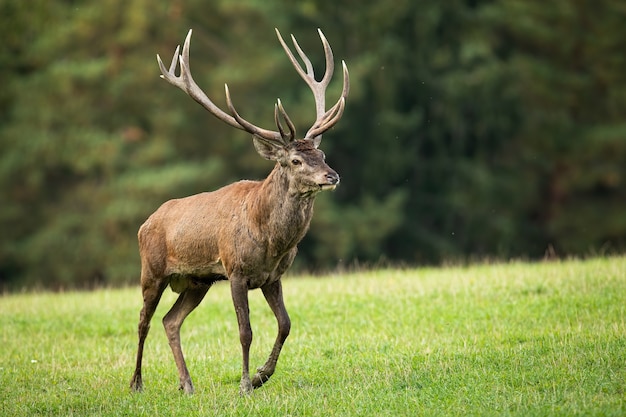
(503, 339)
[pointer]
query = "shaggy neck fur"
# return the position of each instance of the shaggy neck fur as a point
(282, 211)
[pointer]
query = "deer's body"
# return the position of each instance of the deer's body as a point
(251, 227)
(245, 232)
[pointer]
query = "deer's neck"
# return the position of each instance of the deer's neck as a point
(281, 212)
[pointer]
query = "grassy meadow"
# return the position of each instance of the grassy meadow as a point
(494, 339)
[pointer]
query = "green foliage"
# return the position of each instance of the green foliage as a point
(481, 128)
(573, 136)
(515, 339)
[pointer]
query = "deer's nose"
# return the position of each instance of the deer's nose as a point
(332, 177)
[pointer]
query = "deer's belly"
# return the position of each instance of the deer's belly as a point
(199, 267)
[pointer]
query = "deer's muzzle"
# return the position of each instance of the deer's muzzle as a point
(332, 180)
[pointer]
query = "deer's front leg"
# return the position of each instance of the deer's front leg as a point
(274, 295)
(239, 292)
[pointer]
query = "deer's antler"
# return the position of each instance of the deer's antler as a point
(186, 83)
(324, 119)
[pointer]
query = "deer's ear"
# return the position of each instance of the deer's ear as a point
(268, 149)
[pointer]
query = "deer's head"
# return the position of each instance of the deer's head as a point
(303, 163)
(300, 158)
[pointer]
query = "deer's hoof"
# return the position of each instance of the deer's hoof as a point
(136, 384)
(186, 387)
(260, 378)
(245, 388)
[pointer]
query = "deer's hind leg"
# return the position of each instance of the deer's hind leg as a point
(152, 289)
(187, 301)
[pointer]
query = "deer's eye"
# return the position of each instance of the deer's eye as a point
(296, 162)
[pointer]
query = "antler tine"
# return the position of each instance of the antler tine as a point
(331, 118)
(307, 62)
(169, 74)
(330, 63)
(292, 58)
(292, 128)
(186, 83)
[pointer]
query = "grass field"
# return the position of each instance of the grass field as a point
(501, 339)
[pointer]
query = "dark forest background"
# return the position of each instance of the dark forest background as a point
(474, 129)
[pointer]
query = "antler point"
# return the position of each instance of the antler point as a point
(188, 38)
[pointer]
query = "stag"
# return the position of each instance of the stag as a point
(246, 232)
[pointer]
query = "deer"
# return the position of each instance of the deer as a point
(246, 232)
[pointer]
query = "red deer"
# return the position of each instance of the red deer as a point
(246, 232)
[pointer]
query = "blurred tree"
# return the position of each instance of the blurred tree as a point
(571, 148)
(473, 127)
(89, 149)
(431, 112)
